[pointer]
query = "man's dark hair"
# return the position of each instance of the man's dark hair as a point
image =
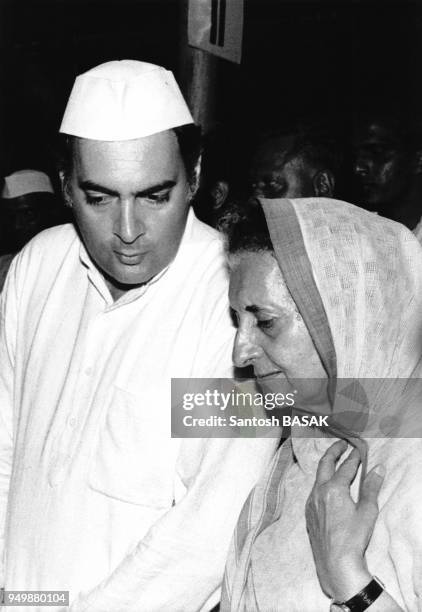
(313, 143)
(223, 155)
(188, 137)
(245, 227)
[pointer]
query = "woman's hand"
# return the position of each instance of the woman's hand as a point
(340, 529)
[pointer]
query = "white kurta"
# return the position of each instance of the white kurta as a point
(102, 502)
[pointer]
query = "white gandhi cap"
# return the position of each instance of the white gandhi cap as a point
(23, 182)
(122, 100)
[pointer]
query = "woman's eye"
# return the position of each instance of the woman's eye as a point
(265, 323)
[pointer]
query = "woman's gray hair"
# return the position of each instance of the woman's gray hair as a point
(245, 227)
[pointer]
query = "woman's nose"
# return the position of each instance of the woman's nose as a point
(245, 350)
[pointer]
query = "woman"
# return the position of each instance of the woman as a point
(331, 292)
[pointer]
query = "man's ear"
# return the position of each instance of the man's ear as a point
(65, 189)
(219, 193)
(417, 167)
(324, 184)
(195, 179)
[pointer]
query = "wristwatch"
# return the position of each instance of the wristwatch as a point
(362, 600)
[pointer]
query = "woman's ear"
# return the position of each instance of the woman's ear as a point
(324, 184)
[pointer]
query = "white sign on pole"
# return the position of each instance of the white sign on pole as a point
(217, 26)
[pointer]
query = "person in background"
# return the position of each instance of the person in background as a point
(301, 161)
(223, 163)
(298, 162)
(28, 206)
(388, 167)
(96, 497)
(5, 261)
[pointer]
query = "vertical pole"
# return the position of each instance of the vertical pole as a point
(197, 72)
(5, 10)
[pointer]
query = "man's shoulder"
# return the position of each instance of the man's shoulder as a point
(59, 236)
(55, 240)
(206, 232)
(45, 253)
(207, 244)
(202, 257)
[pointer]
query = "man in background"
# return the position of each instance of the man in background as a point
(301, 161)
(28, 206)
(223, 170)
(388, 167)
(297, 162)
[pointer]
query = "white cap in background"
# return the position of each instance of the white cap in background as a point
(23, 182)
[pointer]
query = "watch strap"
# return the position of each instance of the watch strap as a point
(362, 600)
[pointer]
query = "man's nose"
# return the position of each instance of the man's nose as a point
(258, 188)
(361, 166)
(245, 350)
(129, 225)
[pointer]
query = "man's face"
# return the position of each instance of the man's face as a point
(26, 216)
(273, 177)
(382, 167)
(130, 200)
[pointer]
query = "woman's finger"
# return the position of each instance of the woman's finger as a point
(346, 473)
(371, 487)
(327, 463)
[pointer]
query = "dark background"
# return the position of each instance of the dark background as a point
(300, 59)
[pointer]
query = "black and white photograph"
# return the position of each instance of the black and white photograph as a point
(211, 305)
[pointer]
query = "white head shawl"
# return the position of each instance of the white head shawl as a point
(356, 279)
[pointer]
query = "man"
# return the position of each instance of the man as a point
(298, 162)
(388, 166)
(28, 206)
(95, 322)
(222, 172)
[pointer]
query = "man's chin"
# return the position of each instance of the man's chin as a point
(128, 279)
(370, 197)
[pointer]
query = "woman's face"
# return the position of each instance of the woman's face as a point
(271, 335)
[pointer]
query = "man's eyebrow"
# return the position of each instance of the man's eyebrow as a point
(91, 186)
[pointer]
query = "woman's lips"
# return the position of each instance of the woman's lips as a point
(272, 374)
